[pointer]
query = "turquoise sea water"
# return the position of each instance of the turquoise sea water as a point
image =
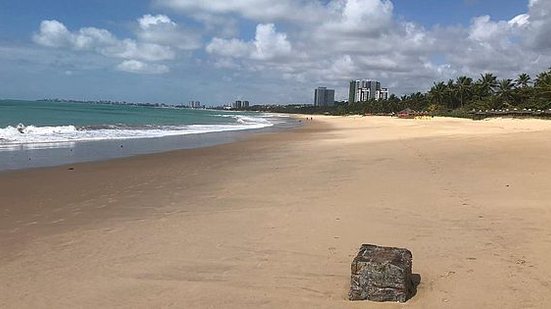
(28, 122)
(79, 114)
(37, 134)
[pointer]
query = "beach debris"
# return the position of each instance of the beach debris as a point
(381, 274)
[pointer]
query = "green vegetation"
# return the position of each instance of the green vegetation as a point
(463, 97)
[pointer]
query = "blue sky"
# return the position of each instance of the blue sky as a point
(445, 12)
(178, 50)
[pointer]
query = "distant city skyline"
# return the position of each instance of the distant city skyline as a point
(175, 51)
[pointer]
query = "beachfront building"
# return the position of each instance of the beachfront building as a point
(324, 97)
(365, 90)
(382, 94)
(239, 104)
(195, 104)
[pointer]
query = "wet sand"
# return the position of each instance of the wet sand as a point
(275, 220)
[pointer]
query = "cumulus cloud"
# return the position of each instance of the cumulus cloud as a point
(158, 38)
(507, 47)
(483, 29)
(360, 18)
(538, 23)
(260, 10)
(135, 66)
(352, 39)
(53, 33)
(160, 29)
(268, 44)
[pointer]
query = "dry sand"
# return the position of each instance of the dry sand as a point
(274, 221)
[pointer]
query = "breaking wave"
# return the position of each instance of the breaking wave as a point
(21, 134)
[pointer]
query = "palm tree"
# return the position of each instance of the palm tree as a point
(438, 91)
(543, 85)
(464, 85)
(451, 91)
(523, 80)
(487, 83)
(504, 89)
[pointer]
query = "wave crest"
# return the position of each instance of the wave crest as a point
(69, 133)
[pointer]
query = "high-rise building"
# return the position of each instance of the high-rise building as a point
(238, 104)
(382, 94)
(365, 90)
(352, 91)
(195, 104)
(324, 97)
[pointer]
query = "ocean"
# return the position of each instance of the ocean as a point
(37, 133)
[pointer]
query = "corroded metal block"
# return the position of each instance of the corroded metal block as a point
(381, 274)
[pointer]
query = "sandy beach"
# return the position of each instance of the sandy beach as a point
(274, 221)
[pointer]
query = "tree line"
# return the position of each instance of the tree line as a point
(465, 94)
(459, 96)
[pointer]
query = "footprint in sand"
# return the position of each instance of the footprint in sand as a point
(448, 274)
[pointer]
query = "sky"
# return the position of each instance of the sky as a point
(264, 51)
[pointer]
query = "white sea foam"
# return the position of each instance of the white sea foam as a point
(62, 134)
(271, 118)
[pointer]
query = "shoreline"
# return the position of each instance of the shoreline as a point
(17, 178)
(25, 156)
(274, 220)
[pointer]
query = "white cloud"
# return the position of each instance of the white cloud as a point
(53, 33)
(483, 29)
(234, 48)
(148, 21)
(158, 38)
(89, 38)
(353, 39)
(359, 17)
(135, 66)
(520, 21)
(267, 45)
(160, 29)
(259, 10)
(130, 49)
(539, 24)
